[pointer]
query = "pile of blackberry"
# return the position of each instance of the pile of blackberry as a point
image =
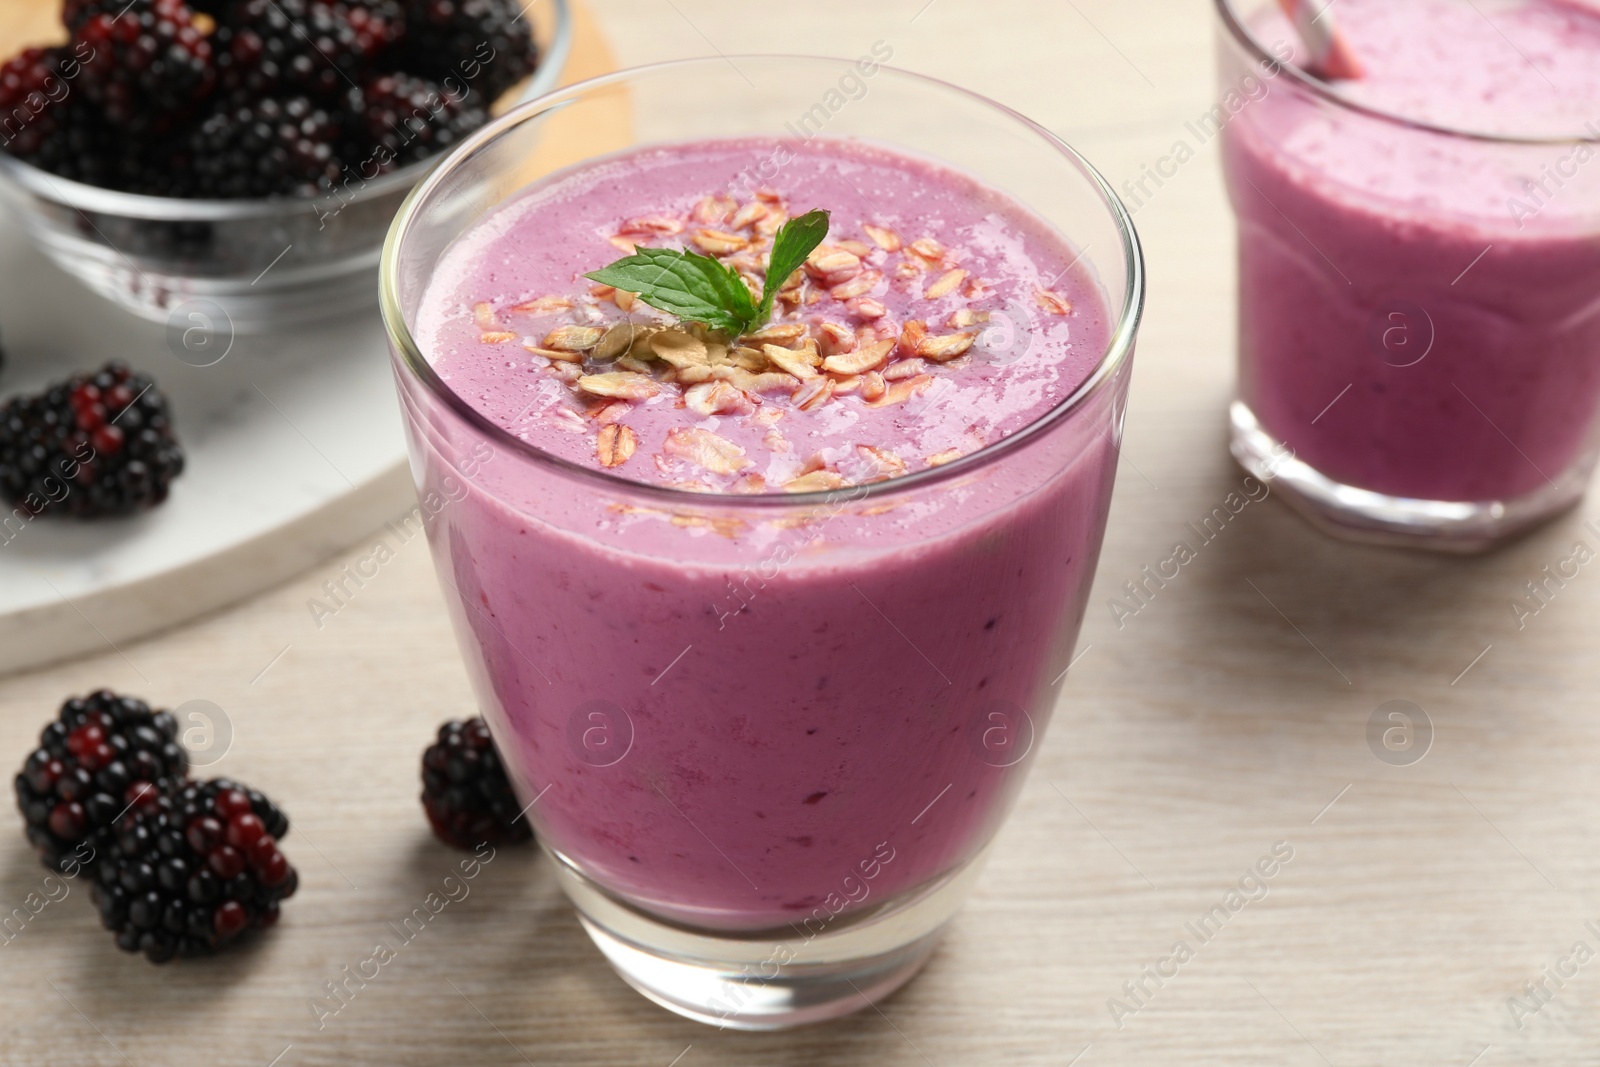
(223, 99)
(176, 868)
(465, 792)
(95, 445)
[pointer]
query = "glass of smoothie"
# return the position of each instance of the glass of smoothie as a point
(1419, 263)
(764, 414)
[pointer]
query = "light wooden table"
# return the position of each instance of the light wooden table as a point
(1230, 714)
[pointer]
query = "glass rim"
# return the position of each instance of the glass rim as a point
(146, 207)
(1326, 91)
(1115, 356)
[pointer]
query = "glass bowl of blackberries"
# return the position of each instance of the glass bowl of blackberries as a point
(246, 157)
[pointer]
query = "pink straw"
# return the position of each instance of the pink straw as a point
(1330, 54)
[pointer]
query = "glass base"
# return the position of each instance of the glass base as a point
(1354, 514)
(770, 980)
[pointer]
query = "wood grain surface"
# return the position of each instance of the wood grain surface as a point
(1227, 717)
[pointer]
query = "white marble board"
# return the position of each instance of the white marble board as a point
(294, 451)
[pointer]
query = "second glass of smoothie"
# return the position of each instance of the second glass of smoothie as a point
(1419, 264)
(768, 621)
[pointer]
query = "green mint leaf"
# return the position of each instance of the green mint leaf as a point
(795, 240)
(697, 288)
(691, 286)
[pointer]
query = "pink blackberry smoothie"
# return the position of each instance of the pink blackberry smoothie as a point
(1420, 310)
(795, 691)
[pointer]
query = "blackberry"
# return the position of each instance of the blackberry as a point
(45, 122)
(74, 13)
(149, 58)
(485, 43)
(94, 445)
(192, 871)
(31, 89)
(265, 147)
(104, 754)
(158, 166)
(83, 146)
(411, 118)
(465, 791)
(373, 31)
(313, 47)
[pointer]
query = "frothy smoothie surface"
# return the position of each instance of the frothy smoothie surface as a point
(1516, 68)
(1511, 67)
(937, 317)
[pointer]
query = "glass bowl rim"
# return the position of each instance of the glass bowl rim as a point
(1110, 362)
(1327, 91)
(112, 202)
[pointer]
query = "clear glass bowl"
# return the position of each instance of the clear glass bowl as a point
(640, 782)
(263, 263)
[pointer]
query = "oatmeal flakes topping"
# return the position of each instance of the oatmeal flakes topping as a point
(828, 341)
(544, 305)
(715, 209)
(815, 482)
(784, 333)
(1054, 303)
(866, 308)
(706, 450)
(905, 368)
(550, 353)
(572, 338)
(812, 393)
(860, 361)
(653, 226)
(616, 445)
(885, 239)
(797, 363)
(834, 339)
(614, 342)
(623, 385)
(886, 462)
(904, 390)
(946, 284)
(680, 349)
(931, 252)
(716, 398)
(860, 285)
(749, 215)
(945, 347)
(719, 243)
